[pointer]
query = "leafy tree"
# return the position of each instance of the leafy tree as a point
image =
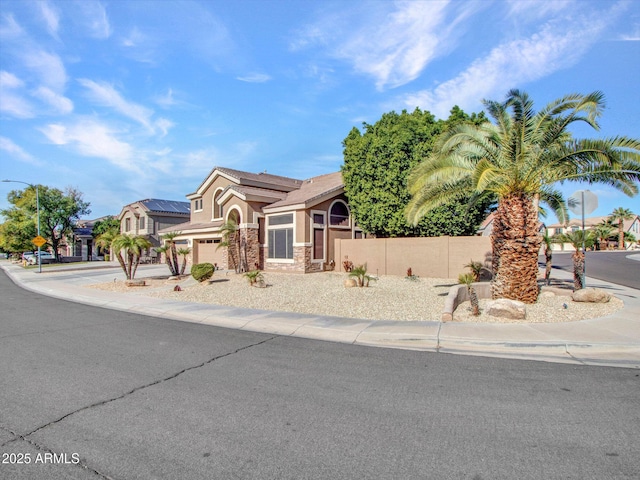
(59, 212)
(519, 158)
(127, 249)
(377, 163)
(109, 224)
(621, 214)
(577, 239)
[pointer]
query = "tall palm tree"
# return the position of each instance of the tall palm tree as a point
(621, 214)
(519, 158)
(576, 241)
(127, 249)
(183, 252)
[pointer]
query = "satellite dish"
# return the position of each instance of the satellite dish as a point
(580, 199)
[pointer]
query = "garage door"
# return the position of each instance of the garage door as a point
(208, 252)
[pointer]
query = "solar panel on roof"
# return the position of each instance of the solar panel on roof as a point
(171, 206)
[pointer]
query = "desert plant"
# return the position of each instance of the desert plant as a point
(360, 274)
(621, 214)
(578, 240)
(347, 265)
(202, 272)
(476, 269)
(547, 240)
(254, 277)
(468, 279)
(127, 249)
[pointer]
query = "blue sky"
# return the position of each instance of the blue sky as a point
(136, 99)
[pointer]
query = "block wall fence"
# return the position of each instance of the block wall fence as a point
(436, 257)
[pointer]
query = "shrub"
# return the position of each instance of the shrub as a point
(468, 279)
(361, 276)
(254, 277)
(202, 271)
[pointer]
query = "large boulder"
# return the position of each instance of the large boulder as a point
(591, 295)
(506, 308)
(350, 282)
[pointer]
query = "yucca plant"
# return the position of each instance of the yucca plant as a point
(468, 279)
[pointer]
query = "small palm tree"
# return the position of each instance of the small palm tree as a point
(127, 249)
(520, 157)
(231, 240)
(170, 252)
(603, 231)
(621, 214)
(468, 279)
(361, 276)
(254, 276)
(577, 239)
(105, 240)
(476, 269)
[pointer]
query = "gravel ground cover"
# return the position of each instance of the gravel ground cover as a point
(389, 298)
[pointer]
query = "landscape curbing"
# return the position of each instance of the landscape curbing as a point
(608, 341)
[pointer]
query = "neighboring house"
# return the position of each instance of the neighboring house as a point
(283, 223)
(79, 246)
(575, 224)
(148, 217)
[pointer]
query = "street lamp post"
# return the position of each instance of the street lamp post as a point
(37, 215)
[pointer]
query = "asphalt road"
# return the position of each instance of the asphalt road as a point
(615, 267)
(122, 396)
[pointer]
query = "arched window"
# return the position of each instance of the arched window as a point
(339, 214)
(217, 210)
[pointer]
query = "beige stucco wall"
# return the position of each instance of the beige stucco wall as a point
(438, 257)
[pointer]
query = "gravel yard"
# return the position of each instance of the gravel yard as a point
(389, 298)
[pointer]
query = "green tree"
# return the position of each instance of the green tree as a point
(109, 223)
(375, 170)
(127, 249)
(59, 212)
(577, 239)
(170, 251)
(621, 214)
(519, 158)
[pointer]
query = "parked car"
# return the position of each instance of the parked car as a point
(26, 255)
(45, 257)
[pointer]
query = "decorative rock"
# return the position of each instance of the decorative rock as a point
(547, 294)
(135, 283)
(505, 308)
(350, 282)
(591, 295)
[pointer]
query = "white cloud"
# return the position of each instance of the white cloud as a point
(9, 29)
(511, 64)
(164, 125)
(51, 17)
(166, 100)
(9, 80)
(93, 16)
(16, 151)
(48, 66)
(105, 95)
(61, 104)
(255, 78)
(92, 139)
(390, 42)
(533, 9)
(15, 105)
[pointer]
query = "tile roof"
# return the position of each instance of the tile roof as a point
(312, 189)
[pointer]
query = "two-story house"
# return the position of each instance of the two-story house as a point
(148, 217)
(282, 223)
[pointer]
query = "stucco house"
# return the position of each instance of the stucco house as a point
(150, 216)
(282, 223)
(575, 224)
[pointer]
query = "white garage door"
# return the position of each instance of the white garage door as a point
(208, 252)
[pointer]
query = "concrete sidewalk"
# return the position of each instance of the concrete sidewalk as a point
(612, 341)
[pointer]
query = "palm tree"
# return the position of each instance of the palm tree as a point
(105, 240)
(621, 214)
(576, 241)
(183, 252)
(520, 158)
(468, 279)
(602, 232)
(170, 252)
(127, 249)
(231, 240)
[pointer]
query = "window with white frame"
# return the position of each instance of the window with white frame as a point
(280, 236)
(339, 214)
(197, 205)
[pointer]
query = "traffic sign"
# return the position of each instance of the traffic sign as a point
(583, 202)
(39, 241)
